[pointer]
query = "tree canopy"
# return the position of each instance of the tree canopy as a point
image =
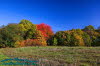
(25, 33)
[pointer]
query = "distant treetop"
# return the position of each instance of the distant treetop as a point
(89, 28)
(25, 22)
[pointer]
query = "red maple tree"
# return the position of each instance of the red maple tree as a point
(45, 30)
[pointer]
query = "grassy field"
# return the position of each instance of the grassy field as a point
(55, 56)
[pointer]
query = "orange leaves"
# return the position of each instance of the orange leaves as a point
(32, 42)
(79, 39)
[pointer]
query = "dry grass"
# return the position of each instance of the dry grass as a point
(54, 56)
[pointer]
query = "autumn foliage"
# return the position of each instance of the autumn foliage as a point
(45, 30)
(32, 42)
(28, 34)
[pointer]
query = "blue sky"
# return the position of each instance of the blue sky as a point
(59, 14)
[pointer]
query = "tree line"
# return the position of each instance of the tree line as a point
(25, 33)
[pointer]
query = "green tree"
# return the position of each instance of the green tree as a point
(28, 29)
(87, 39)
(89, 28)
(9, 35)
(61, 38)
(96, 42)
(98, 30)
(54, 41)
